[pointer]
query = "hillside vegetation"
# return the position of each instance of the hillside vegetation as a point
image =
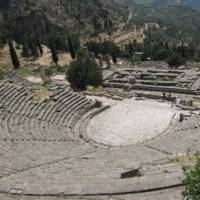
(156, 30)
(177, 21)
(22, 19)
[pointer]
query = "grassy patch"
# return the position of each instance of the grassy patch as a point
(42, 94)
(24, 72)
(95, 89)
(2, 74)
(196, 102)
(52, 69)
(184, 160)
(46, 82)
(5, 66)
(164, 78)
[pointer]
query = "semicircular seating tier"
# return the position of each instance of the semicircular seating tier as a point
(55, 118)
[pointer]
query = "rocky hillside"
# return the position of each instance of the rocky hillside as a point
(41, 17)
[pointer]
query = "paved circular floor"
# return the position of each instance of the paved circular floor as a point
(130, 121)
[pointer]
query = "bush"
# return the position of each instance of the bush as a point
(1, 75)
(53, 69)
(162, 54)
(46, 82)
(84, 71)
(175, 60)
(192, 182)
(17, 47)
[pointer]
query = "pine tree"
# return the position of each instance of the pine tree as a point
(13, 55)
(71, 48)
(54, 54)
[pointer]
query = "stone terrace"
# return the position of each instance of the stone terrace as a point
(164, 80)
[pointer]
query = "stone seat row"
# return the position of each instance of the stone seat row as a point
(22, 155)
(17, 127)
(53, 119)
(191, 123)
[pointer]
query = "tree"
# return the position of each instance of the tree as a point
(33, 49)
(1, 74)
(182, 50)
(71, 48)
(95, 47)
(175, 60)
(25, 49)
(75, 40)
(130, 46)
(166, 45)
(107, 47)
(32, 45)
(13, 55)
(83, 71)
(54, 54)
(114, 57)
(3, 39)
(52, 44)
(161, 54)
(39, 46)
(192, 182)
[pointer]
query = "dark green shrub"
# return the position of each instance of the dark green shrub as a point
(192, 182)
(175, 60)
(83, 71)
(1, 75)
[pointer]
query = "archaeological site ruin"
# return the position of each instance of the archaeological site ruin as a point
(120, 140)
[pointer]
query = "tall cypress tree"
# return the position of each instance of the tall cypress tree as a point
(34, 49)
(39, 46)
(25, 48)
(71, 48)
(182, 50)
(166, 45)
(25, 51)
(174, 48)
(114, 57)
(130, 46)
(54, 54)
(13, 55)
